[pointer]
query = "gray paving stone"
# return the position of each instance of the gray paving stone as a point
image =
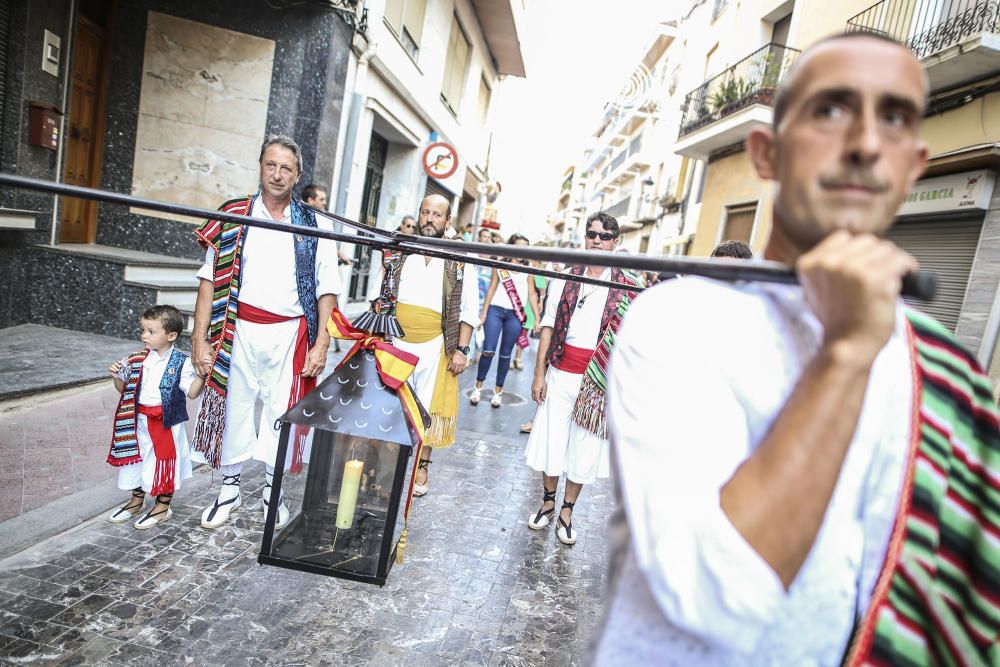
(477, 587)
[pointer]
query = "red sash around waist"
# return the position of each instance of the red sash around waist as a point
(164, 449)
(300, 385)
(574, 359)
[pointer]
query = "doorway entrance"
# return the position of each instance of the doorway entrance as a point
(85, 131)
(362, 268)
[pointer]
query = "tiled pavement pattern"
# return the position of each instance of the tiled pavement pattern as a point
(478, 587)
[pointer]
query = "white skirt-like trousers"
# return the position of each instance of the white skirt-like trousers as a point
(262, 369)
(141, 474)
(557, 445)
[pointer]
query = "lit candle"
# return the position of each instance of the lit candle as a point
(349, 493)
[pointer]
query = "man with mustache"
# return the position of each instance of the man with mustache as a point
(260, 325)
(435, 303)
(810, 474)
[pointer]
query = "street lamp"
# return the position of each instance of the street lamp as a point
(347, 518)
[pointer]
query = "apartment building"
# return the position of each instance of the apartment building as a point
(629, 168)
(428, 72)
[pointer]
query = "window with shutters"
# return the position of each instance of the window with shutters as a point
(455, 67)
(484, 101)
(406, 18)
(739, 223)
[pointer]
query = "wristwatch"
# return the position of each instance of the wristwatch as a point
(464, 349)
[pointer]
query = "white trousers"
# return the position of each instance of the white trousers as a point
(423, 378)
(262, 369)
(557, 444)
(141, 474)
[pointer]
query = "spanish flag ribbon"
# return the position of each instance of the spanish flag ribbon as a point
(394, 365)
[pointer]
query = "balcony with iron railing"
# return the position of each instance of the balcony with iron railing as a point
(725, 108)
(625, 164)
(957, 40)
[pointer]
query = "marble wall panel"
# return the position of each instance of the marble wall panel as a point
(14, 309)
(202, 112)
(74, 292)
(307, 83)
(26, 83)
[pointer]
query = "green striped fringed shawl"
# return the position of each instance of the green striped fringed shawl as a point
(226, 239)
(589, 409)
(937, 601)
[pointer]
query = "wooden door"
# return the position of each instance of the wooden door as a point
(84, 132)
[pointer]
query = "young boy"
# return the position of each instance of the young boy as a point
(149, 443)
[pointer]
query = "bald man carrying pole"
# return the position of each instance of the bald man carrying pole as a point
(437, 306)
(812, 475)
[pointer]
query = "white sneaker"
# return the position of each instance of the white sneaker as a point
(475, 395)
(218, 513)
(497, 400)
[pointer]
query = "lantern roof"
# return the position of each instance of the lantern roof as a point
(353, 400)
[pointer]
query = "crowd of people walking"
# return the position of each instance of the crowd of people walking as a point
(823, 493)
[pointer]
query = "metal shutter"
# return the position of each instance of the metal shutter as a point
(948, 248)
(435, 188)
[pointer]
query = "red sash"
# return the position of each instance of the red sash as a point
(300, 385)
(515, 301)
(574, 359)
(163, 447)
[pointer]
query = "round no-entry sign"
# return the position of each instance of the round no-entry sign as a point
(440, 160)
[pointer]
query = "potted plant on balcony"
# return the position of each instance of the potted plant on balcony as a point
(731, 95)
(773, 68)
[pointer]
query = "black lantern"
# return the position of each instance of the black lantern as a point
(346, 511)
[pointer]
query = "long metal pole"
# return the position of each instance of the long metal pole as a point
(377, 238)
(921, 284)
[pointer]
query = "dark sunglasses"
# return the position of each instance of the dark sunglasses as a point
(605, 236)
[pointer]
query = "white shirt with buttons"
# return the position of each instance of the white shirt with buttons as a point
(700, 371)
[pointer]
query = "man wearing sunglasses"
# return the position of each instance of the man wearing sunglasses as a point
(408, 225)
(578, 329)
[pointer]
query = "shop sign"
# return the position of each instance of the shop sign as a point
(970, 190)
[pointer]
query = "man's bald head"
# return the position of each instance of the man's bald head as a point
(435, 213)
(791, 82)
(845, 147)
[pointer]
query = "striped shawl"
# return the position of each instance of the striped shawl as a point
(937, 601)
(589, 410)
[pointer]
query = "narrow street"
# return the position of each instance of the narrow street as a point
(478, 587)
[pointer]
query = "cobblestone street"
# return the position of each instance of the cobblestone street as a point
(478, 587)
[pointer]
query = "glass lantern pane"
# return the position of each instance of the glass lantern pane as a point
(340, 505)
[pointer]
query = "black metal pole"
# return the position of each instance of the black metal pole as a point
(921, 284)
(376, 238)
